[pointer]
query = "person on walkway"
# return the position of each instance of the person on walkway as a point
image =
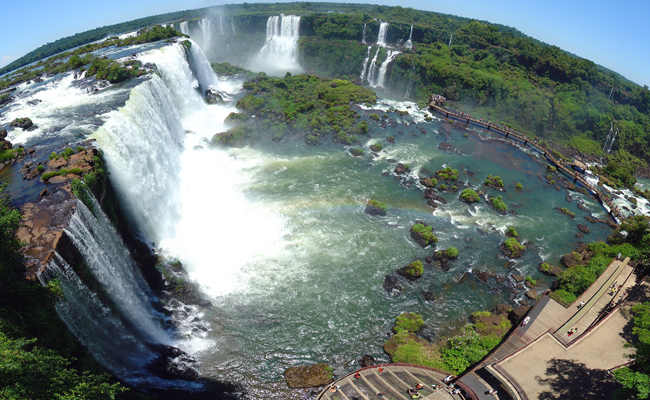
(582, 304)
(492, 391)
(419, 386)
(447, 379)
(381, 394)
(411, 392)
(381, 369)
(572, 331)
(525, 321)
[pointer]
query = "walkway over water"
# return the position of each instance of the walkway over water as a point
(510, 134)
(394, 380)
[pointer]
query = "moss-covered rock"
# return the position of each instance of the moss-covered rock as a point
(497, 204)
(409, 322)
(423, 234)
(566, 211)
(413, 271)
(356, 152)
(469, 196)
(511, 248)
(305, 376)
(374, 207)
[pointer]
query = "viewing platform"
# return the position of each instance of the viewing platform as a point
(394, 381)
(562, 343)
(436, 105)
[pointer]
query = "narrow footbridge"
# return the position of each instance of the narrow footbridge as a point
(392, 382)
(511, 134)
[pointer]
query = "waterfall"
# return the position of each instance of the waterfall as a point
(450, 37)
(116, 320)
(409, 43)
(384, 67)
(206, 34)
(363, 35)
(372, 69)
(383, 31)
(280, 51)
(364, 66)
(184, 27)
(409, 86)
(232, 26)
(203, 70)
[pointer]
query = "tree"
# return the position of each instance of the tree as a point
(636, 228)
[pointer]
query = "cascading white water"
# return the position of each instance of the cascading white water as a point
(383, 31)
(409, 43)
(364, 66)
(175, 188)
(94, 324)
(381, 76)
(184, 27)
(372, 69)
(363, 35)
(409, 86)
(203, 70)
(206, 34)
(113, 267)
(232, 26)
(280, 51)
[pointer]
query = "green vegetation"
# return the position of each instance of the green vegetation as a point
(551, 168)
(454, 354)
(494, 181)
(546, 267)
(303, 104)
(408, 322)
(376, 148)
(227, 69)
(356, 152)
(636, 377)
(8, 154)
(621, 169)
(414, 270)
(530, 280)
(447, 174)
(568, 212)
(498, 204)
(452, 252)
(425, 232)
(63, 171)
(512, 232)
(519, 186)
(469, 196)
(378, 204)
(513, 245)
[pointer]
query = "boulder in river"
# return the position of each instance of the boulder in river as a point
(173, 363)
(391, 284)
(305, 376)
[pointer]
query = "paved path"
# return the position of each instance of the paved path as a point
(540, 366)
(394, 381)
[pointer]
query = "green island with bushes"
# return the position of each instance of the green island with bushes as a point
(494, 181)
(453, 354)
(469, 196)
(301, 105)
(424, 233)
(498, 204)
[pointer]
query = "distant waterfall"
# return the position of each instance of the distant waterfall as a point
(383, 31)
(364, 66)
(363, 35)
(184, 27)
(381, 78)
(372, 69)
(450, 37)
(409, 85)
(206, 34)
(409, 43)
(280, 51)
(232, 26)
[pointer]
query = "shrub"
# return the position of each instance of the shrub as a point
(519, 186)
(48, 175)
(563, 297)
(425, 232)
(546, 267)
(415, 268)
(531, 280)
(470, 195)
(311, 139)
(452, 252)
(40, 168)
(513, 245)
(362, 127)
(498, 203)
(374, 117)
(408, 322)
(512, 232)
(551, 168)
(53, 155)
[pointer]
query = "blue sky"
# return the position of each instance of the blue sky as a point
(613, 34)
